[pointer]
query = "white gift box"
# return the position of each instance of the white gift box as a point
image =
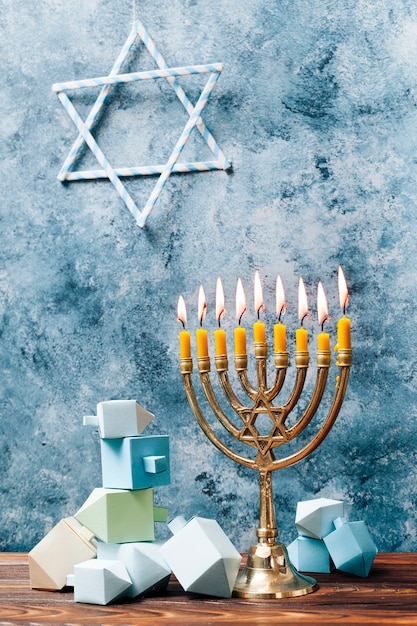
(119, 418)
(202, 557)
(144, 562)
(99, 581)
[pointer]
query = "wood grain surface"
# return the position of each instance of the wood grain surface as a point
(387, 596)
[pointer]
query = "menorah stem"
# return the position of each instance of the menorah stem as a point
(260, 354)
(267, 531)
(268, 572)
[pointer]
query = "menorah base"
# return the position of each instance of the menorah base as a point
(269, 574)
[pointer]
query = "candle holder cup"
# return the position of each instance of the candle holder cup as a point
(268, 572)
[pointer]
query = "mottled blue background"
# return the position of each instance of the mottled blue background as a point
(317, 110)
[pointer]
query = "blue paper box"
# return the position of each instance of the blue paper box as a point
(135, 462)
(310, 555)
(351, 547)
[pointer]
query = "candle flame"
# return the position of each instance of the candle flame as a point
(343, 290)
(322, 310)
(259, 300)
(202, 305)
(181, 311)
(219, 300)
(240, 300)
(302, 300)
(281, 305)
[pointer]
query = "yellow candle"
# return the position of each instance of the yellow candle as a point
(220, 341)
(185, 344)
(280, 338)
(201, 335)
(240, 340)
(343, 325)
(323, 341)
(301, 340)
(220, 334)
(259, 332)
(343, 334)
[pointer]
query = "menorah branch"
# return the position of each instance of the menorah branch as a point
(210, 434)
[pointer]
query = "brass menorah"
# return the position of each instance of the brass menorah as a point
(268, 572)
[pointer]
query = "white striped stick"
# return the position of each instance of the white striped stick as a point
(95, 149)
(136, 76)
(92, 116)
(145, 170)
(160, 61)
(201, 103)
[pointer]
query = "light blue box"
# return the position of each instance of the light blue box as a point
(351, 547)
(314, 518)
(135, 462)
(310, 555)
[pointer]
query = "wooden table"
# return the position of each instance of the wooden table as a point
(387, 596)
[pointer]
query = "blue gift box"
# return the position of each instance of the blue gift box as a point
(135, 462)
(310, 555)
(351, 547)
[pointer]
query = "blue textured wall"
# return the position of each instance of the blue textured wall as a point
(316, 108)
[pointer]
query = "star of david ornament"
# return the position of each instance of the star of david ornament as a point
(164, 171)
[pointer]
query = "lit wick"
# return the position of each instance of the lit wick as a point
(185, 345)
(323, 339)
(258, 327)
(240, 301)
(202, 305)
(281, 305)
(181, 312)
(220, 334)
(201, 333)
(220, 310)
(301, 334)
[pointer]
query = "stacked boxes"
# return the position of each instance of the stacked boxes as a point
(107, 550)
(119, 513)
(327, 540)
